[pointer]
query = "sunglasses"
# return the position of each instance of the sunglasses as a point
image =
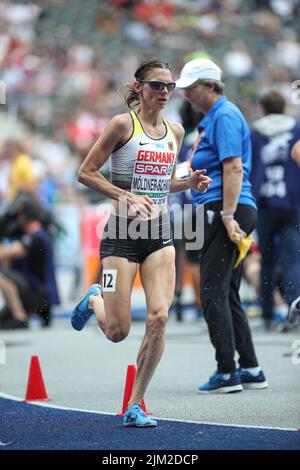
(159, 86)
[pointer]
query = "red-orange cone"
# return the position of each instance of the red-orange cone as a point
(131, 371)
(36, 390)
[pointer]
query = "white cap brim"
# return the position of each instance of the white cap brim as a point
(185, 82)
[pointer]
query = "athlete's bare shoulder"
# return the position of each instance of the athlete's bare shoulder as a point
(120, 128)
(122, 121)
(178, 130)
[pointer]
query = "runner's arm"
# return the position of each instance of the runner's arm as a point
(197, 180)
(113, 135)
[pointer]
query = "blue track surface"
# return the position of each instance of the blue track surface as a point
(30, 427)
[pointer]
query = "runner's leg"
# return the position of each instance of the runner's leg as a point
(113, 310)
(158, 279)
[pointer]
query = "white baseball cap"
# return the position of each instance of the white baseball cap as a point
(198, 69)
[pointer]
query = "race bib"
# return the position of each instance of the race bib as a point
(109, 280)
(152, 174)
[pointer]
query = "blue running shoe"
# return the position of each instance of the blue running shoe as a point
(218, 384)
(251, 381)
(134, 416)
(81, 312)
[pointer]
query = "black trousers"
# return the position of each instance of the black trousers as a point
(227, 322)
(285, 225)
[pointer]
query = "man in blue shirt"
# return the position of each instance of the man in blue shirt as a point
(275, 178)
(224, 150)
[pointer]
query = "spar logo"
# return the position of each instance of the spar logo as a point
(151, 169)
(170, 170)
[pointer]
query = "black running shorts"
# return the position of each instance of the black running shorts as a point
(135, 239)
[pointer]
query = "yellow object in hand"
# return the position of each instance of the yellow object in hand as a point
(243, 247)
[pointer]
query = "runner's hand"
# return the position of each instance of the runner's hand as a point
(138, 206)
(200, 181)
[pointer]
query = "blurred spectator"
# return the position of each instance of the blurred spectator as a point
(238, 62)
(275, 178)
(251, 274)
(18, 170)
(27, 277)
(84, 128)
(158, 13)
(47, 62)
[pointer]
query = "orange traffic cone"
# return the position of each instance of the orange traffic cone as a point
(36, 390)
(131, 371)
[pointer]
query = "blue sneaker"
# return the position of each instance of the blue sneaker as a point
(217, 384)
(251, 381)
(81, 312)
(134, 416)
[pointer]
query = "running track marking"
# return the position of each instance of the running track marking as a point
(47, 405)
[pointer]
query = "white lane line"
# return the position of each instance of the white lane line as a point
(57, 407)
(5, 444)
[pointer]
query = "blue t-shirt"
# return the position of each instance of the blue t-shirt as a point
(225, 134)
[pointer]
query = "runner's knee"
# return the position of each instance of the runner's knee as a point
(157, 320)
(116, 334)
